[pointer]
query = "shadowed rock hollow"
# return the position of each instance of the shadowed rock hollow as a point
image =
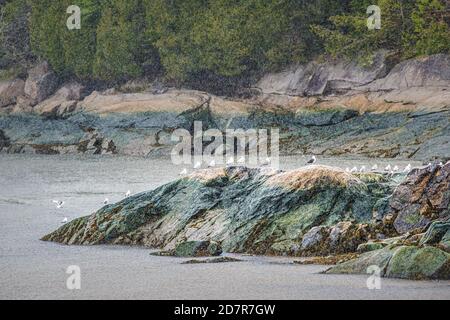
(260, 211)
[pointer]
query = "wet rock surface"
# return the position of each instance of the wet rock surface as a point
(423, 197)
(402, 115)
(260, 211)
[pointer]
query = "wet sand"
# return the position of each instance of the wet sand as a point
(32, 269)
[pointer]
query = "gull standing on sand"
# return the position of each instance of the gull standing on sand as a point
(354, 169)
(59, 204)
(65, 220)
(375, 167)
(312, 160)
(395, 169)
(183, 172)
(363, 169)
(388, 168)
(407, 168)
(128, 194)
(106, 201)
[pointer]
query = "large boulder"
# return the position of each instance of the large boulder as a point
(424, 196)
(63, 101)
(41, 83)
(10, 91)
(197, 249)
(260, 211)
(405, 262)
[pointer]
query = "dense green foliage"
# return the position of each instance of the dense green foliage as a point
(187, 40)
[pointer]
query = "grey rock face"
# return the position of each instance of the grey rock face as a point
(315, 79)
(10, 91)
(41, 83)
(432, 71)
(424, 196)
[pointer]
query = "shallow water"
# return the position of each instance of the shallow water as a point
(33, 269)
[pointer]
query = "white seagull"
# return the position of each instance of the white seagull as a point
(183, 172)
(106, 201)
(407, 168)
(375, 167)
(128, 194)
(312, 160)
(197, 165)
(212, 164)
(59, 204)
(388, 168)
(230, 161)
(347, 169)
(241, 160)
(396, 168)
(363, 169)
(354, 169)
(65, 220)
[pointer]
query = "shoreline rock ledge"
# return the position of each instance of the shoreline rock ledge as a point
(311, 211)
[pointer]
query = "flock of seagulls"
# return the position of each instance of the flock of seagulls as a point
(230, 162)
(390, 168)
(60, 204)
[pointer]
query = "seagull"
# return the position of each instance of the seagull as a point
(241, 160)
(388, 168)
(230, 161)
(363, 169)
(312, 160)
(106, 201)
(354, 169)
(347, 169)
(128, 194)
(441, 164)
(198, 165)
(375, 167)
(407, 168)
(391, 174)
(396, 168)
(212, 164)
(59, 204)
(65, 220)
(183, 172)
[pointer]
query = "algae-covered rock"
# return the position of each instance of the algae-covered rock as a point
(370, 246)
(259, 211)
(419, 263)
(198, 249)
(405, 262)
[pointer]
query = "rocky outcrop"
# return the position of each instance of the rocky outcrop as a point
(259, 211)
(431, 71)
(315, 79)
(10, 91)
(407, 121)
(40, 84)
(423, 197)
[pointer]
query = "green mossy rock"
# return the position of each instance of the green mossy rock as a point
(419, 264)
(198, 249)
(405, 262)
(258, 211)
